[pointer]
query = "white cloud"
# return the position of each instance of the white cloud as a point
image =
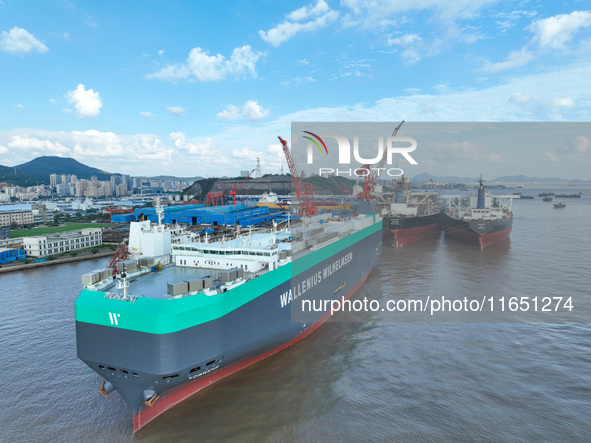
(522, 99)
(552, 157)
(204, 67)
(20, 106)
(90, 147)
(555, 32)
(251, 111)
(175, 110)
(20, 41)
(318, 16)
(582, 144)
(86, 101)
(308, 11)
(271, 160)
(563, 102)
(386, 13)
(211, 160)
(515, 59)
(230, 113)
(147, 114)
(405, 40)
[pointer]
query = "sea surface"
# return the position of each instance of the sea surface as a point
(388, 376)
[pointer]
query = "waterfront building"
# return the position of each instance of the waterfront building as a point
(58, 243)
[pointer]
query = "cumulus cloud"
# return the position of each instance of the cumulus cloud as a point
(230, 113)
(555, 32)
(307, 18)
(147, 114)
(271, 160)
(251, 111)
(204, 67)
(175, 110)
(91, 147)
(19, 41)
(86, 101)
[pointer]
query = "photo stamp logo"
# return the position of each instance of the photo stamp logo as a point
(385, 149)
(316, 143)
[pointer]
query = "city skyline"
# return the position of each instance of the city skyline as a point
(152, 89)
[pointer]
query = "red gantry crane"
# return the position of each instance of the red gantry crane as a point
(371, 178)
(304, 194)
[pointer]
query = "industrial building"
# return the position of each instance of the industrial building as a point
(9, 255)
(214, 215)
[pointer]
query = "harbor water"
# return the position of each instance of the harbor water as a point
(379, 376)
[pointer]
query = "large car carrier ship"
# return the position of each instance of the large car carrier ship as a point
(175, 317)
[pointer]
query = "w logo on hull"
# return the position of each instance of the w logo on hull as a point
(114, 318)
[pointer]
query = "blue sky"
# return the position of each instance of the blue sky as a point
(203, 88)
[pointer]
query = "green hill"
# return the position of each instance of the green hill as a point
(37, 171)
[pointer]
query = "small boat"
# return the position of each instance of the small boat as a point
(559, 205)
(547, 199)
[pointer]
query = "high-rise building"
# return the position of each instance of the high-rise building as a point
(121, 189)
(53, 180)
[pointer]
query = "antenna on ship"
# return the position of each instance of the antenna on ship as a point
(123, 283)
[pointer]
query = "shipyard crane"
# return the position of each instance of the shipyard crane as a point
(214, 199)
(234, 190)
(371, 178)
(304, 194)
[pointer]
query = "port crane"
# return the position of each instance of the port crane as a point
(305, 193)
(214, 199)
(371, 178)
(235, 190)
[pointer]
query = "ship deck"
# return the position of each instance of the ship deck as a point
(154, 284)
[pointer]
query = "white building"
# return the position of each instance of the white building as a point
(45, 245)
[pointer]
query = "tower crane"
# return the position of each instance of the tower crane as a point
(371, 178)
(304, 194)
(235, 190)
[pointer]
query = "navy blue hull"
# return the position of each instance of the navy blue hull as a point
(135, 362)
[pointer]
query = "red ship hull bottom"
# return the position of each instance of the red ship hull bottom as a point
(481, 240)
(169, 400)
(401, 237)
